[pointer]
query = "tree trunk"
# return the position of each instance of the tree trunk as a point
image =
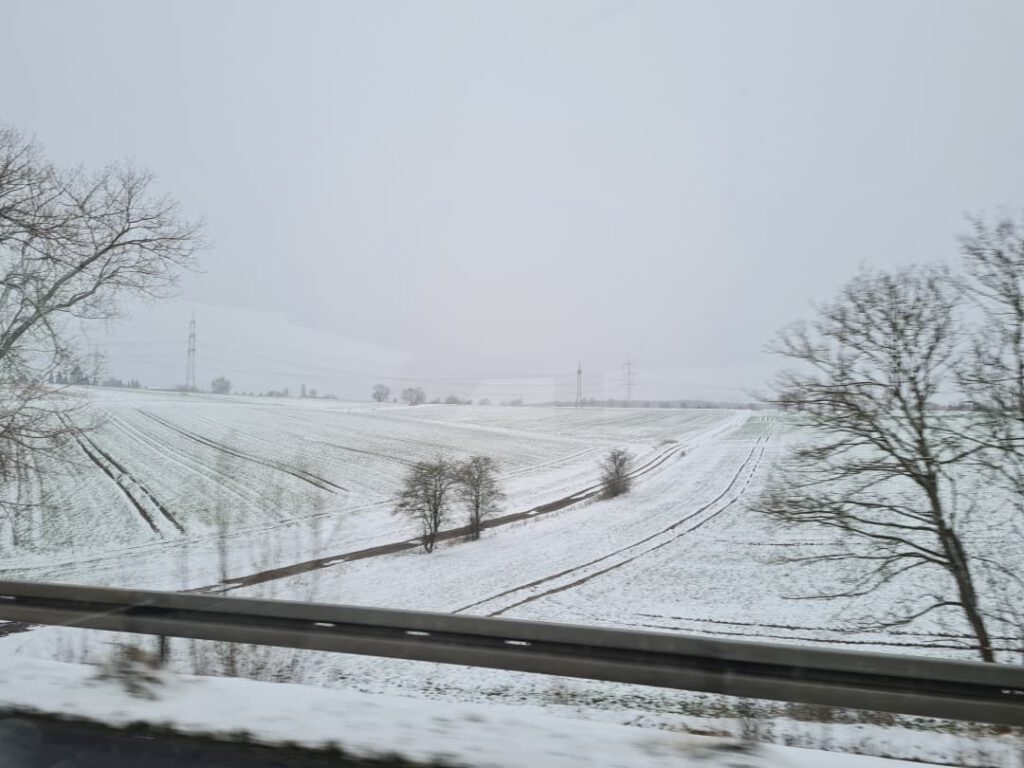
(961, 573)
(474, 522)
(959, 568)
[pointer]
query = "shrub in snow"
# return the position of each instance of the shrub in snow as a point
(615, 473)
(134, 668)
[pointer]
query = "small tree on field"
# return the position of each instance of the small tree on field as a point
(220, 386)
(381, 393)
(615, 473)
(479, 490)
(453, 400)
(426, 495)
(414, 396)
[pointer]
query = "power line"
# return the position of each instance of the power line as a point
(190, 368)
(579, 385)
(629, 377)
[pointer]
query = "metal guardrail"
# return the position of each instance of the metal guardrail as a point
(960, 690)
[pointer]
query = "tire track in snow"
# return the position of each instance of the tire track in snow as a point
(142, 488)
(302, 436)
(119, 475)
(758, 448)
(550, 463)
(188, 462)
(295, 569)
(308, 477)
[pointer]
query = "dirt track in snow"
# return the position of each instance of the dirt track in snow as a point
(282, 572)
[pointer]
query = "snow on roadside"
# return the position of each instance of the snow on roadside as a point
(367, 725)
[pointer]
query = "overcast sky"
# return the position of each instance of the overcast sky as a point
(458, 192)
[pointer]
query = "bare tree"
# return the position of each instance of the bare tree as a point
(616, 478)
(220, 386)
(992, 383)
(381, 393)
(479, 490)
(72, 246)
(426, 496)
(414, 396)
(881, 467)
(992, 379)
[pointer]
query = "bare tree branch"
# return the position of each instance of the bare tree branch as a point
(73, 245)
(877, 467)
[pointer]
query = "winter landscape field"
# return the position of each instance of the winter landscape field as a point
(295, 499)
(414, 329)
(174, 491)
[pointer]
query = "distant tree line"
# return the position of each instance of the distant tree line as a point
(593, 402)
(381, 393)
(74, 376)
(110, 381)
(77, 376)
(286, 392)
(223, 386)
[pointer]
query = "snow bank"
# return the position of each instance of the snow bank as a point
(368, 725)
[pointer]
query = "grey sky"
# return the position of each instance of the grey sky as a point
(493, 190)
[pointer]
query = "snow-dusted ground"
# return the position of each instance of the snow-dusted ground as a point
(320, 475)
(371, 726)
(298, 480)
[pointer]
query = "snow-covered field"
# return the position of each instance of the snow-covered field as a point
(285, 497)
(144, 496)
(148, 495)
